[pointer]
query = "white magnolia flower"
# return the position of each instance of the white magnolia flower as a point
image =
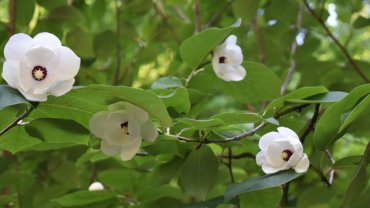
(96, 186)
(280, 151)
(39, 66)
(122, 129)
(227, 60)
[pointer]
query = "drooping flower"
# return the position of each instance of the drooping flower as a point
(96, 186)
(227, 60)
(39, 66)
(122, 129)
(280, 151)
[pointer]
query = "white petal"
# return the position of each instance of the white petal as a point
(288, 133)
(118, 106)
(61, 87)
(99, 124)
(233, 55)
(269, 170)
(229, 72)
(34, 97)
(295, 158)
(303, 165)
(47, 39)
(273, 155)
(11, 72)
(139, 114)
(231, 40)
(130, 150)
(96, 186)
(134, 129)
(68, 63)
(116, 137)
(267, 139)
(17, 46)
(109, 150)
(119, 116)
(149, 131)
(260, 158)
(40, 55)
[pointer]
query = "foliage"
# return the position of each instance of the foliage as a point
(307, 67)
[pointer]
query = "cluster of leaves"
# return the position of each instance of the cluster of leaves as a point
(50, 158)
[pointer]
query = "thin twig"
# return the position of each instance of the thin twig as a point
(18, 119)
(117, 6)
(293, 50)
(12, 17)
(259, 41)
(312, 123)
(197, 17)
(285, 196)
(219, 14)
(321, 175)
(230, 164)
(336, 41)
(195, 72)
(332, 171)
(241, 156)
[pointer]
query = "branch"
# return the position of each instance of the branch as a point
(12, 15)
(259, 41)
(230, 164)
(197, 17)
(117, 6)
(332, 171)
(17, 120)
(284, 197)
(321, 175)
(219, 14)
(195, 72)
(312, 123)
(341, 47)
(293, 50)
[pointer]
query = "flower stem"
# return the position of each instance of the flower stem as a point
(19, 118)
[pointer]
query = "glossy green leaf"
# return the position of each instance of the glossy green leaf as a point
(81, 104)
(202, 124)
(359, 111)
(359, 180)
(10, 96)
(329, 97)
(196, 48)
(167, 82)
(238, 118)
(199, 172)
(361, 22)
(348, 161)
(315, 197)
(298, 94)
(259, 183)
(260, 84)
(178, 98)
(163, 173)
(214, 202)
(326, 131)
(119, 179)
(17, 139)
(80, 198)
(246, 9)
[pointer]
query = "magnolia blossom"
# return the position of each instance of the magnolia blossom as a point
(96, 186)
(280, 151)
(122, 129)
(227, 60)
(39, 66)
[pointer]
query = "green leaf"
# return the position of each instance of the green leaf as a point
(214, 202)
(326, 131)
(178, 98)
(361, 22)
(55, 132)
(238, 118)
(164, 146)
(315, 197)
(91, 155)
(329, 97)
(348, 161)
(163, 173)
(201, 124)
(167, 82)
(103, 43)
(357, 112)
(51, 4)
(259, 183)
(261, 198)
(199, 172)
(260, 84)
(17, 139)
(10, 96)
(120, 179)
(196, 48)
(81, 104)
(66, 15)
(359, 180)
(24, 10)
(80, 198)
(81, 42)
(298, 94)
(154, 193)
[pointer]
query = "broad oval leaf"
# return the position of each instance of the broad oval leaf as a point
(202, 124)
(196, 48)
(199, 172)
(357, 112)
(10, 96)
(259, 183)
(327, 128)
(178, 98)
(80, 198)
(238, 118)
(167, 82)
(329, 97)
(82, 103)
(17, 139)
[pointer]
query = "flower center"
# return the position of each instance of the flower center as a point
(222, 60)
(286, 154)
(124, 128)
(39, 73)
